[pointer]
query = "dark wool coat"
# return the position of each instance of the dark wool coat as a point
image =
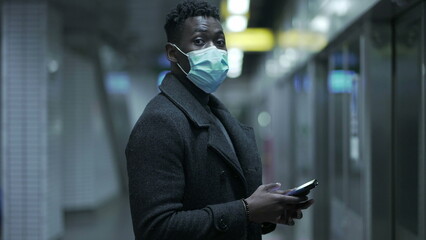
(185, 181)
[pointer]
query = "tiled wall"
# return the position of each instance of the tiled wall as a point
(30, 202)
(55, 149)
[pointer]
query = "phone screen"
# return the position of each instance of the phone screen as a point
(303, 189)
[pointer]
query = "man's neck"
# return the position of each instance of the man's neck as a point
(199, 94)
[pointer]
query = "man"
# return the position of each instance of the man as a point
(194, 170)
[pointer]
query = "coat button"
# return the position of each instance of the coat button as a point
(222, 225)
(222, 176)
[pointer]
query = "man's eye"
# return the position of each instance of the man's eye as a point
(199, 42)
(221, 42)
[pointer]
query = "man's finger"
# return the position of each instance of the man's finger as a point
(297, 214)
(292, 199)
(289, 221)
(272, 187)
(305, 205)
(287, 191)
(285, 219)
(282, 192)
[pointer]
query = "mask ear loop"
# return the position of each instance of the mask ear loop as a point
(174, 45)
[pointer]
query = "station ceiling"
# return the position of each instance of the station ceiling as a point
(134, 28)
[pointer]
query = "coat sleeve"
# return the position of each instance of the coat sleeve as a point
(155, 157)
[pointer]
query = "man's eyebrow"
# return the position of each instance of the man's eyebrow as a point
(203, 30)
(200, 30)
(220, 32)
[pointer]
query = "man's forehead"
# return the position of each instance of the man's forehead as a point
(202, 24)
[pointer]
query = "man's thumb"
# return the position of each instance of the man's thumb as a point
(270, 187)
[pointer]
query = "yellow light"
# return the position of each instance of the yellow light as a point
(294, 38)
(251, 40)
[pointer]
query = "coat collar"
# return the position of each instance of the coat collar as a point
(190, 105)
(176, 92)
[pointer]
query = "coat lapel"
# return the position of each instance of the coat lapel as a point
(242, 137)
(189, 105)
(219, 143)
(176, 92)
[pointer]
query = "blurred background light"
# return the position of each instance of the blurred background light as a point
(273, 68)
(163, 61)
(238, 7)
(288, 57)
(118, 83)
(236, 23)
(340, 81)
(161, 76)
(338, 7)
(251, 40)
(320, 24)
(53, 66)
(235, 58)
(264, 119)
(285, 61)
(307, 40)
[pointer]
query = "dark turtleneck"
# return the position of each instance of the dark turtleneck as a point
(204, 98)
(199, 94)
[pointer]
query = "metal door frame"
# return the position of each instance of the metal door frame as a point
(419, 10)
(354, 36)
(422, 149)
(376, 133)
(321, 130)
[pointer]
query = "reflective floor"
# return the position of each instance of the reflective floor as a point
(110, 222)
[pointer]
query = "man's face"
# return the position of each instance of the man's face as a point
(198, 33)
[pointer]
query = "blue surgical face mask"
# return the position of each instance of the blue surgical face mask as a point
(209, 67)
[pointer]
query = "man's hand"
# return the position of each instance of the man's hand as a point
(268, 205)
(288, 215)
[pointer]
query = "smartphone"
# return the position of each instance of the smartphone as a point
(303, 189)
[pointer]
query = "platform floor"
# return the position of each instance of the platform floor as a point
(112, 221)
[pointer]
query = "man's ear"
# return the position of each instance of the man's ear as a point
(171, 53)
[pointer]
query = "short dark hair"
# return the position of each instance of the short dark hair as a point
(183, 11)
